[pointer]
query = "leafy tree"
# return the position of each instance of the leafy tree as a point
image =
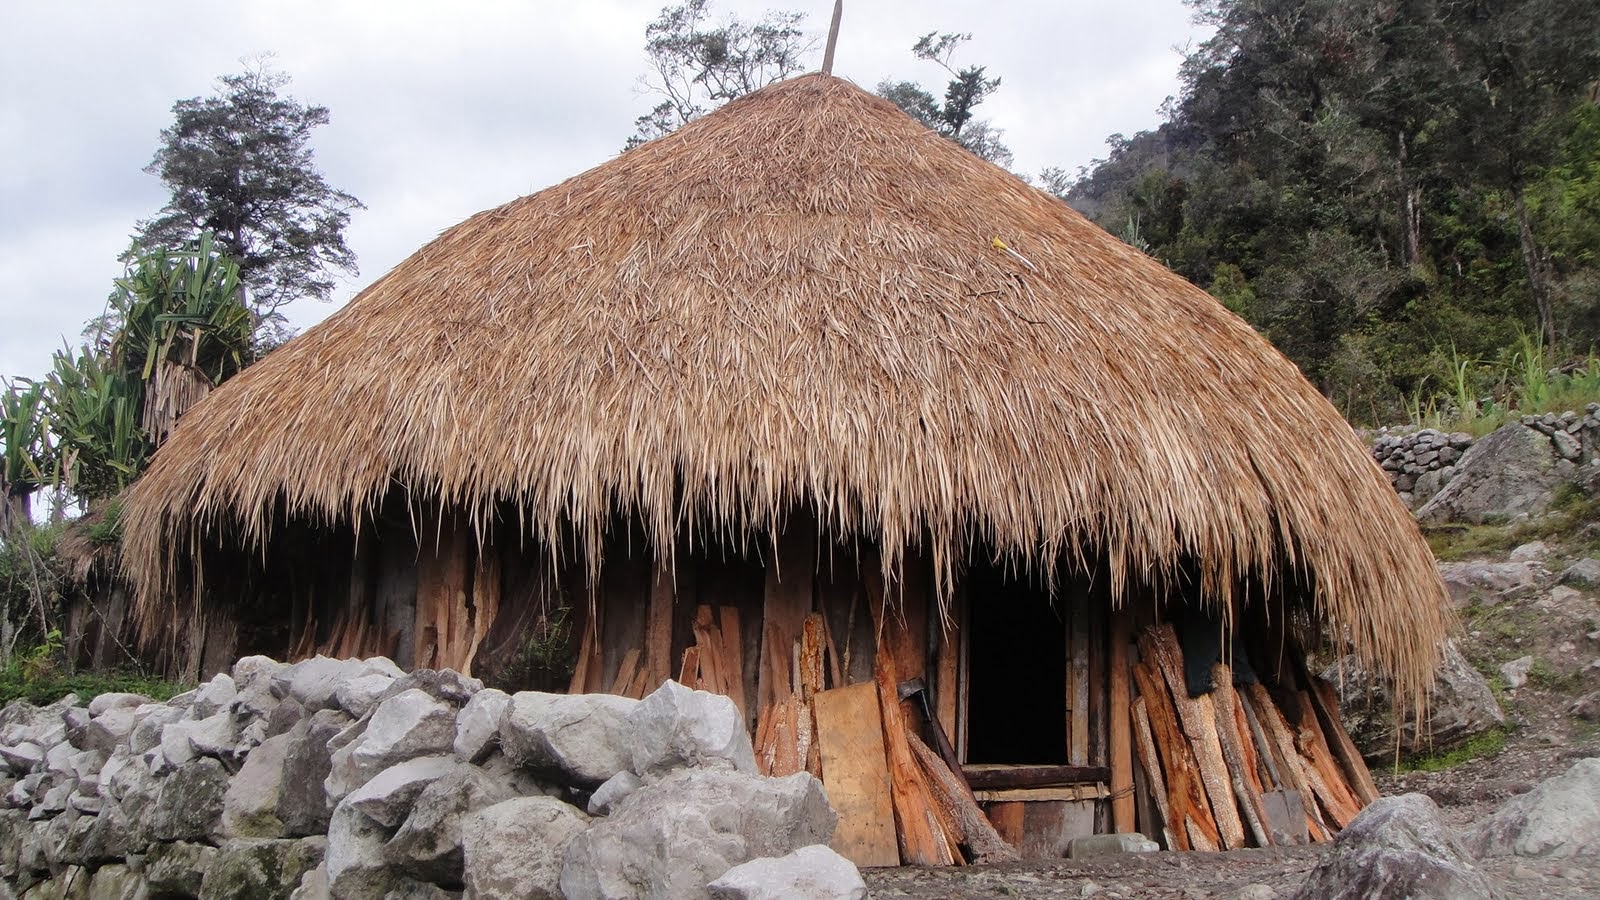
(25, 450)
(954, 116)
(697, 65)
(239, 164)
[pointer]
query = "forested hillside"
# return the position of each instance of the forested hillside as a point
(1392, 191)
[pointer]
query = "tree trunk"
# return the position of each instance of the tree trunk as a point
(1533, 260)
(1410, 210)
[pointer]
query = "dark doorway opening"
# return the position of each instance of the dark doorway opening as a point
(1016, 670)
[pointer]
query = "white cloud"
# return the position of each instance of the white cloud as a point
(443, 109)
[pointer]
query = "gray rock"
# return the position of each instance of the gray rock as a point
(216, 736)
(76, 722)
(152, 720)
(175, 749)
(111, 727)
(117, 882)
(251, 671)
(1109, 845)
(810, 873)
(95, 840)
(428, 843)
(314, 683)
(258, 868)
(1474, 576)
(446, 685)
(677, 727)
(1583, 573)
(1462, 706)
(314, 886)
(214, 696)
(1511, 472)
(358, 696)
(405, 726)
(1397, 847)
(303, 805)
(515, 849)
(478, 724)
(1586, 707)
(23, 758)
(387, 797)
(104, 703)
(1565, 445)
(1516, 672)
(673, 836)
(355, 864)
(584, 737)
(1559, 818)
(250, 807)
(616, 789)
(178, 868)
(189, 806)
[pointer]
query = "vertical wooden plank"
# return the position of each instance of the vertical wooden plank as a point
(396, 586)
(1008, 819)
(443, 571)
(856, 774)
(658, 625)
(732, 655)
(1119, 726)
(909, 601)
(947, 658)
(485, 605)
(626, 580)
(786, 602)
(1078, 681)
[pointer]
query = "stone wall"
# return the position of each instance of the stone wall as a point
(353, 779)
(1421, 462)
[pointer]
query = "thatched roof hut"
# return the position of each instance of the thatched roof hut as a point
(806, 301)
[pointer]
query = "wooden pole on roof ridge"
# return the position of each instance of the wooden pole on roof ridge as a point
(833, 37)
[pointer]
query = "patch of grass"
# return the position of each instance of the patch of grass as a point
(1484, 745)
(39, 690)
(1569, 511)
(1543, 675)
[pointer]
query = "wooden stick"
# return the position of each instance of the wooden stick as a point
(689, 673)
(1176, 839)
(1160, 644)
(1119, 739)
(709, 639)
(1314, 748)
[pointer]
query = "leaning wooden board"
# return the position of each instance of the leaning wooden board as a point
(856, 774)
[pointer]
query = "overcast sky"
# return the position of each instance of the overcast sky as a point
(441, 109)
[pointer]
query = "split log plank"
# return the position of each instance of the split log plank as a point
(984, 845)
(1160, 644)
(922, 842)
(626, 672)
(1186, 798)
(1176, 837)
(1073, 793)
(856, 774)
(689, 672)
(1290, 766)
(1359, 777)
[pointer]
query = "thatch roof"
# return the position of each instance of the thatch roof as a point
(808, 297)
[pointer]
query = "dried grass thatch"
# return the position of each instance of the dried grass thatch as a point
(807, 297)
